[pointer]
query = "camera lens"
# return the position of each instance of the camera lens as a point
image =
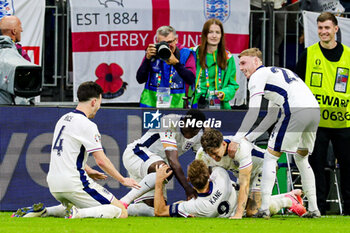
(163, 50)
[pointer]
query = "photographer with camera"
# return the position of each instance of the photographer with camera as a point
(216, 70)
(168, 70)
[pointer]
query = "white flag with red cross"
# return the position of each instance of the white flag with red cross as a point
(109, 37)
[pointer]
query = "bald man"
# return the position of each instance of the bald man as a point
(11, 26)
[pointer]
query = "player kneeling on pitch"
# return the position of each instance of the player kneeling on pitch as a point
(70, 179)
(217, 195)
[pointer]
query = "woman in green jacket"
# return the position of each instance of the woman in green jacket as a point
(215, 69)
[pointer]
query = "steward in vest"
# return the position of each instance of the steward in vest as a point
(325, 68)
(167, 81)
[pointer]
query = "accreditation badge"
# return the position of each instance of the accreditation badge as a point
(316, 79)
(341, 80)
(163, 97)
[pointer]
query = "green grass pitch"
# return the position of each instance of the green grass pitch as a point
(280, 224)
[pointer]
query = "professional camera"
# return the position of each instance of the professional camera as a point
(17, 75)
(163, 50)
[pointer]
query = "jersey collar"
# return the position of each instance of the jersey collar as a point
(209, 191)
(259, 67)
(228, 142)
(79, 112)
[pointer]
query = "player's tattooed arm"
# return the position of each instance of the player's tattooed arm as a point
(244, 179)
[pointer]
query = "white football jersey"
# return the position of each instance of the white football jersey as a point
(219, 201)
(282, 87)
(75, 136)
(168, 137)
(247, 154)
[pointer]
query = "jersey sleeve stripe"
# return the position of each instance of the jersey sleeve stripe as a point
(245, 166)
(259, 93)
(93, 150)
(168, 142)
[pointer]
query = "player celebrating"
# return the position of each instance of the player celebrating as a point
(217, 196)
(246, 164)
(160, 146)
(214, 152)
(69, 181)
(297, 113)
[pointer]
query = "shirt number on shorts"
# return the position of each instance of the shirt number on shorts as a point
(58, 142)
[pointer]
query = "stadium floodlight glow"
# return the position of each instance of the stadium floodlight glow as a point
(17, 75)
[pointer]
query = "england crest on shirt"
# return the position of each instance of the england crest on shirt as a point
(219, 9)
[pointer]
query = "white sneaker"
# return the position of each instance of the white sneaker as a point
(36, 210)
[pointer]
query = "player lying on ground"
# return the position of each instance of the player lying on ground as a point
(160, 146)
(217, 196)
(215, 153)
(69, 181)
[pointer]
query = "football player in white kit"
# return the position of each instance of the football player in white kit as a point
(214, 152)
(246, 164)
(293, 106)
(217, 195)
(160, 146)
(69, 181)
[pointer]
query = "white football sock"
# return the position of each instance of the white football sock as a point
(102, 211)
(140, 209)
(268, 179)
(55, 211)
(147, 183)
(307, 180)
(277, 202)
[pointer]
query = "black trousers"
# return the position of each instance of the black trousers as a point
(340, 139)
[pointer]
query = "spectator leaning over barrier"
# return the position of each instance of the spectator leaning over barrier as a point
(216, 69)
(325, 68)
(167, 70)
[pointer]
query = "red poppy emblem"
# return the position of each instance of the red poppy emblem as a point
(109, 78)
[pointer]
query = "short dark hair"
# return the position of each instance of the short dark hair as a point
(198, 174)
(195, 114)
(324, 16)
(88, 90)
(211, 139)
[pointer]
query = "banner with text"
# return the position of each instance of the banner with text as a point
(310, 29)
(109, 38)
(31, 13)
(26, 141)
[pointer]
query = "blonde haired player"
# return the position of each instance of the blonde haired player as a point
(296, 113)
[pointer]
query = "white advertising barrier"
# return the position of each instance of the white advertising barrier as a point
(31, 13)
(310, 29)
(109, 37)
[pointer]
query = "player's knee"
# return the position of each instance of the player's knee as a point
(171, 175)
(274, 153)
(152, 167)
(303, 152)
